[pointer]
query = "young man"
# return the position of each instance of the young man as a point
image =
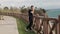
(44, 15)
(30, 13)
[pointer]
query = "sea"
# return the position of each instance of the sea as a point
(53, 13)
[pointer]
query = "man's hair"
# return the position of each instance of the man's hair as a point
(32, 6)
(43, 10)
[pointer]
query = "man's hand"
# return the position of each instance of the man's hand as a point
(32, 12)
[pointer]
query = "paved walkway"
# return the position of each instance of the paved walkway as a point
(8, 25)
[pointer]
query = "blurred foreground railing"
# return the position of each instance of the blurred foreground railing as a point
(41, 25)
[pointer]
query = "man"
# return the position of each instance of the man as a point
(30, 13)
(44, 15)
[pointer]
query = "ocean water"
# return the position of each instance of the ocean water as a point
(53, 13)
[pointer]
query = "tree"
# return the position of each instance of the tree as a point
(6, 8)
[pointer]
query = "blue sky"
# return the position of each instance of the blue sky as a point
(47, 4)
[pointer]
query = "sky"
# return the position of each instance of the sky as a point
(46, 4)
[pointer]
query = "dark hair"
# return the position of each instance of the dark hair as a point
(43, 10)
(32, 6)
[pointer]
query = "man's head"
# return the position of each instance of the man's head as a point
(32, 7)
(43, 10)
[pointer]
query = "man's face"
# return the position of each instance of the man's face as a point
(32, 8)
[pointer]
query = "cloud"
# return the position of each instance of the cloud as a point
(38, 3)
(50, 3)
(19, 2)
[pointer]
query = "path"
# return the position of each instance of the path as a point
(8, 25)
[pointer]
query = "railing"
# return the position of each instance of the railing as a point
(41, 25)
(47, 29)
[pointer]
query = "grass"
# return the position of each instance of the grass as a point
(21, 27)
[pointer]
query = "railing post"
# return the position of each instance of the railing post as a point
(37, 23)
(58, 26)
(45, 26)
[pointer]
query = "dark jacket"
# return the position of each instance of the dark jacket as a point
(30, 15)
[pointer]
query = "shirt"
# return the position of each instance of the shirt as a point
(30, 14)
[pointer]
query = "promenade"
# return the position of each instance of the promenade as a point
(8, 25)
